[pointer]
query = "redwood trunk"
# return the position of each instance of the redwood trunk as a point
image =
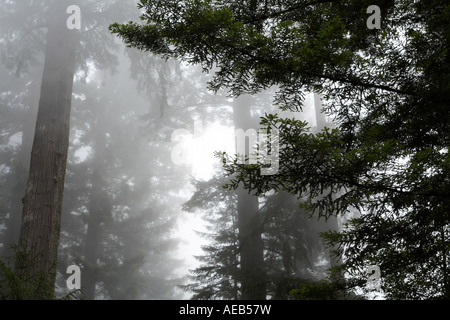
(250, 243)
(332, 222)
(41, 215)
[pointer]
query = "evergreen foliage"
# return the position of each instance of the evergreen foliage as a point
(388, 91)
(294, 254)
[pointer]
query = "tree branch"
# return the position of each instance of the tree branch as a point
(279, 13)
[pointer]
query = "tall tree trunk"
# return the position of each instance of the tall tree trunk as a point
(41, 215)
(250, 242)
(321, 121)
(332, 222)
(93, 237)
(21, 170)
(99, 206)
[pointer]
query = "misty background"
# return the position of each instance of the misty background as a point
(139, 225)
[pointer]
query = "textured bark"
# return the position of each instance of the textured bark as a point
(250, 243)
(41, 215)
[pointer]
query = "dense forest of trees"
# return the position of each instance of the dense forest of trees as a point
(116, 222)
(88, 178)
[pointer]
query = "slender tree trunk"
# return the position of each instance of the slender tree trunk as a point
(93, 237)
(321, 121)
(41, 215)
(99, 207)
(21, 170)
(332, 222)
(250, 242)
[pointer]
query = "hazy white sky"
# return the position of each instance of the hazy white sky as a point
(200, 158)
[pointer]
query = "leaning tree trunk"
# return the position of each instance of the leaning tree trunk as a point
(252, 273)
(41, 215)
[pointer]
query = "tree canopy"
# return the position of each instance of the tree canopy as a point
(388, 92)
